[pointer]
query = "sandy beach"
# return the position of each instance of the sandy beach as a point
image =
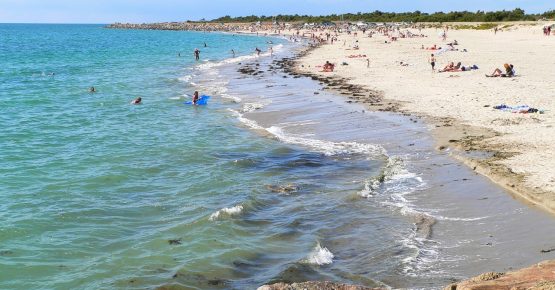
(459, 106)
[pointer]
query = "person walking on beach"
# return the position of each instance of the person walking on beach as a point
(433, 62)
(367, 62)
(271, 51)
(197, 54)
(258, 51)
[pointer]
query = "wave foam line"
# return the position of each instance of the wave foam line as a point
(208, 65)
(227, 211)
(319, 256)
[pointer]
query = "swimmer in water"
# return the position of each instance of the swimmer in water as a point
(137, 101)
(197, 54)
(92, 90)
(195, 98)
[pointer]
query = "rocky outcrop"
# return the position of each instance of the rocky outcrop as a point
(537, 277)
(314, 285)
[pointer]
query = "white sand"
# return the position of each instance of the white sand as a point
(463, 95)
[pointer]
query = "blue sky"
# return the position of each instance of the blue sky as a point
(108, 11)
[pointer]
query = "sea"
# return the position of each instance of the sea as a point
(276, 179)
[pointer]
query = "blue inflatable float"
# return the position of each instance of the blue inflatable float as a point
(202, 101)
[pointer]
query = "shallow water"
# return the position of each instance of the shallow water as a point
(269, 182)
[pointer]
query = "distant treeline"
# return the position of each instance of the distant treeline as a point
(417, 16)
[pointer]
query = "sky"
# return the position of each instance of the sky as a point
(139, 11)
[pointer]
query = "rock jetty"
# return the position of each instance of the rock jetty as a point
(187, 26)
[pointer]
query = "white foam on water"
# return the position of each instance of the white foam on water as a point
(251, 107)
(319, 256)
(327, 147)
(461, 219)
(209, 64)
(185, 78)
(234, 99)
(248, 122)
(226, 212)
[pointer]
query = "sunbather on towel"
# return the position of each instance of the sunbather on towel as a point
(509, 72)
(451, 67)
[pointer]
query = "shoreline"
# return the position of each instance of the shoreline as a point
(287, 66)
(454, 135)
(449, 134)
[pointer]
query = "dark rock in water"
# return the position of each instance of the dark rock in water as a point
(5, 253)
(174, 242)
(200, 280)
(315, 285)
(287, 189)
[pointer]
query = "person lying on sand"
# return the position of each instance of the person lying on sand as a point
(328, 67)
(356, 56)
(509, 72)
(451, 67)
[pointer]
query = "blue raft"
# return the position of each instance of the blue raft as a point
(202, 101)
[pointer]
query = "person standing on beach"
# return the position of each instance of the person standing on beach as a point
(197, 54)
(367, 62)
(271, 51)
(233, 52)
(433, 62)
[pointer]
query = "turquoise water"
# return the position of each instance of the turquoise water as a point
(254, 188)
(96, 193)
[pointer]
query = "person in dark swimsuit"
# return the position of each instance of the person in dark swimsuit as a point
(197, 54)
(195, 98)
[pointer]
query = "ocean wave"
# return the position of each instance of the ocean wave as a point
(328, 147)
(319, 256)
(235, 99)
(248, 122)
(208, 65)
(461, 219)
(393, 174)
(226, 212)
